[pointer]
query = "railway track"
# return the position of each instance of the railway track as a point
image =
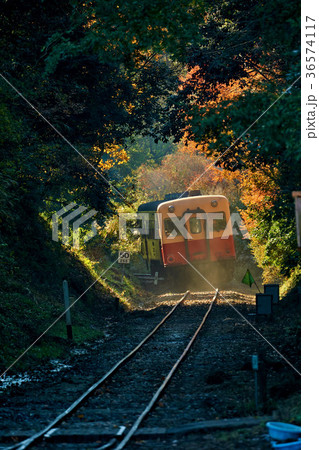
(163, 367)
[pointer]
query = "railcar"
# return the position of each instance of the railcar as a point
(190, 230)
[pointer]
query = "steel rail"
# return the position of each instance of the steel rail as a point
(75, 405)
(160, 390)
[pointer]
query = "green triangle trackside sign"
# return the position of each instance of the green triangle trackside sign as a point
(248, 279)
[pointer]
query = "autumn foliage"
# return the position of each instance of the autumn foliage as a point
(185, 169)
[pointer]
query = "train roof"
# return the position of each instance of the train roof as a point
(202, 199)
(152, 206)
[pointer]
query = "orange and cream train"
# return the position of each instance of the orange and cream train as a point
(190, 230)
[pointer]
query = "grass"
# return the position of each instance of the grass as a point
(290, 283)
(289, 410)
(24, 321)
(123, 286)
(32, 299)
(250, 437)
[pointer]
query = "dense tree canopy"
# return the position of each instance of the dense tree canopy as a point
(116, 77)
(240, 100)
(98, 72)
(252, 48)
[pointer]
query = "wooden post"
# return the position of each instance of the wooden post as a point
(258, 367)
(255, 363)
(123, 272)
(263, 385)
(297, 197)
(67, 309)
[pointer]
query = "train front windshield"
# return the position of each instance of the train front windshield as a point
(213, 222)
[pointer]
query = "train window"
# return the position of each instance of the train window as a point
(169, 227)
(195, 225)
(220, 224)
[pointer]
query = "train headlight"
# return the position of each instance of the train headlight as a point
(214, 203)
(171, 208)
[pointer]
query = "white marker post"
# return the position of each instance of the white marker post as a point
(124, 258)
(67, 309)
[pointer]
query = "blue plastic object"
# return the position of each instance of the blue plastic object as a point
(281, 431)
(287, 446)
